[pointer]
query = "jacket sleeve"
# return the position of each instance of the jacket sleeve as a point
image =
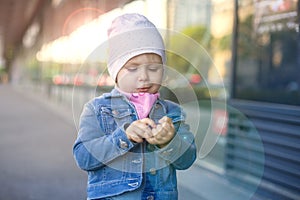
(93, 148)
(181, 151)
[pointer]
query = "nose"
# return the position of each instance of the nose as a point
(143, 75)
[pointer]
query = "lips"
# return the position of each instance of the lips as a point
(143, 89)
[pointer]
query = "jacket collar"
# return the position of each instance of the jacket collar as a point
(113, 93)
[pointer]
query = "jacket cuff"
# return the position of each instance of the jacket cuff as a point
(120, 138)
(171, 151)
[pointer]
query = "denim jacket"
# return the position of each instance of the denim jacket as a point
(115, 165)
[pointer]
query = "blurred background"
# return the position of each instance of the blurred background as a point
(247, 83)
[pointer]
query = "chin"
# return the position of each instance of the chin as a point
(153, 91)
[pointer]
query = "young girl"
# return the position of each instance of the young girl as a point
(130, 141)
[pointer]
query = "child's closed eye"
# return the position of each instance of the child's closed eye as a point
(154, 68)
(131, 68)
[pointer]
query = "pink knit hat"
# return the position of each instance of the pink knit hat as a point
(131, 35)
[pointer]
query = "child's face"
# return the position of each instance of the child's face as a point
(142, 73)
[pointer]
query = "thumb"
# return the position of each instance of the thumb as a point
(165, 119)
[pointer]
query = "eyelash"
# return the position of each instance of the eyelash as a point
(152, 69)
(131, 69)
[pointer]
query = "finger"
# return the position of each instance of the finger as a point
(149, 122)
(145, 126)
(152, 140)
(142, 129)
(162, 120)
(159, 136)
(163, 133)
(135, 138)
(166, 133)
(165, 119)
(156, 130)
(156, 140)
(168, 126)
(144, 132)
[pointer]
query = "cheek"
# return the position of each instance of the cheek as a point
(128, 78)
(156, 78)
(126, 82)
(123, 77)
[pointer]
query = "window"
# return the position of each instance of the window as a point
(268, 49)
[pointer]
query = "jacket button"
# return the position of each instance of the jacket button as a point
(115, 112)
(167, 152)
(157, 106)
(123, 144)
(150, 197)
(152, 171)
(137, 161)
(135, 184)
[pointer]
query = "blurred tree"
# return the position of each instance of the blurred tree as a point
(223, 43)
(200, 34)
(247, 48)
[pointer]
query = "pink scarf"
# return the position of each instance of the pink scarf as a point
(142, 102)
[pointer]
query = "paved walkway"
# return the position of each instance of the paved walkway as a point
(36, 151)
(37, 162)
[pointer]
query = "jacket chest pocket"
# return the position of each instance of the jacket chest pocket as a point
(110, 118)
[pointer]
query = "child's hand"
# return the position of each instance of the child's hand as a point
(162, 133)
(140, 129)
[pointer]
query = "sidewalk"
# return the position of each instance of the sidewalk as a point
(36, 151)
(207, 185)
